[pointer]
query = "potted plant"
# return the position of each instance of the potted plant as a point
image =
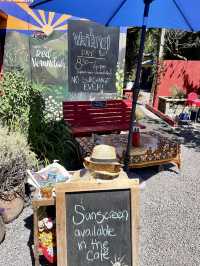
(15, 159)
(139, 114)
(174, 104)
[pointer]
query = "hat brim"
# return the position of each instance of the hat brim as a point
(106, 169)
(105, 173)
(87, 159)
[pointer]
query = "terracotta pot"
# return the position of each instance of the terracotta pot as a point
(13, 208)
(12, 204)
(2, 229)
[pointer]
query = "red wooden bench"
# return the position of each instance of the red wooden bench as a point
(86, 117)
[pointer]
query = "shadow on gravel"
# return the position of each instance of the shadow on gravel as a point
(189, 135)
(29, 225)
(147, 172)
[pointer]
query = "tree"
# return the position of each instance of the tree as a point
(182, 45)
(132, 48)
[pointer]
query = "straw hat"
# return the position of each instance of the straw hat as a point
(103, 160)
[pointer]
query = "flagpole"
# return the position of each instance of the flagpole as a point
(136, 86)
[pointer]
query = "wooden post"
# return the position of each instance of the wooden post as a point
(36, 204)
(36, 242)
(61, 230)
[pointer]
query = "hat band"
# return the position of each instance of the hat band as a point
(103, 160)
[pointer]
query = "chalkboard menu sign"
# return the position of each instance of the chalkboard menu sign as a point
(93, 54)
(97, 223)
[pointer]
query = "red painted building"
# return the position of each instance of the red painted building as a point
(183, 74)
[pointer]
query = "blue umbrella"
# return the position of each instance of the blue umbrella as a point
(174, 14)
(177, 14)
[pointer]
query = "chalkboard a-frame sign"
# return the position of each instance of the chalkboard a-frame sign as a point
(97, 223)
(93, 54)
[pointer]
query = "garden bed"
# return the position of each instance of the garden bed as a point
(171, 106)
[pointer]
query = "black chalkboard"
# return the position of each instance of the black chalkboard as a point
(99, 228)
(93, 54)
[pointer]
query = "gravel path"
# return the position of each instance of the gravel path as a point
(170, 204)
(170, 216)
(15, 249)
(170, 223)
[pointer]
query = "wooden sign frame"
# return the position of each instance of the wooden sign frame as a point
(88, 186)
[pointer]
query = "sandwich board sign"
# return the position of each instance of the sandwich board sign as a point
(97, 223)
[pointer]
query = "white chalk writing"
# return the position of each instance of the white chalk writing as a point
(44, 58)
(99, 217)
(90, 40)
(101, 230)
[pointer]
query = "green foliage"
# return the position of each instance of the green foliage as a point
(152, 41)
(15, 158)
(17, 94)
(177, 92)
(23, 108)
(119, 81)
(139, 114)
(50, 137)
(53, 108)
(182, 45)
(53, 140)
(132, 49)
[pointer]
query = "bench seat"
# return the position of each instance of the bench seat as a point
(85, 118)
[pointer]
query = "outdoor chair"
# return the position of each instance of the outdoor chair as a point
(192, 96)
(193, 101)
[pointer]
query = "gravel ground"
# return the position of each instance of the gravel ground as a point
(170, 223)
(170, 204)
(170, 217)
(16, 248)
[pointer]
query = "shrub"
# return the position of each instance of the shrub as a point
(23, 108)
(16, 95)
(119, 75)
(50, 138)
(53, 140)
(177, 92)
(139, 114)
(15, 159)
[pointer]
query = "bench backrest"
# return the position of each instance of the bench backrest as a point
(87, 113)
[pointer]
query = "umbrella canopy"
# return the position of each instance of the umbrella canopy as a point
(176, 14)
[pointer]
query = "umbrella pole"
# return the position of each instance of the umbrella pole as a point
(136, 86)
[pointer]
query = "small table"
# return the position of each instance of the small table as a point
(154, 149)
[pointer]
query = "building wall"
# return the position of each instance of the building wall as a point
(183, 74)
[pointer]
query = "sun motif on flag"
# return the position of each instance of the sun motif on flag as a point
(27, 19)
(118, 261)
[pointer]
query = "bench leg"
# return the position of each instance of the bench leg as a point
(177, 161)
